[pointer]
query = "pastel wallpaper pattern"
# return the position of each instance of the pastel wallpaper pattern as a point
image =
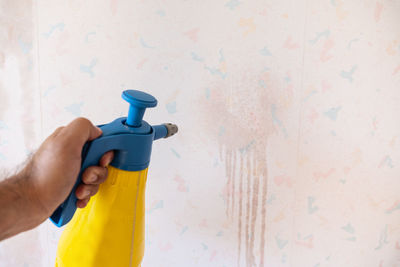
(288, 152)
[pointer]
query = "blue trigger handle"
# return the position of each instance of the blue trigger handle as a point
(64, 213)
(132, 152)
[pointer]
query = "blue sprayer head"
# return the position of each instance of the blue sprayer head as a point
(130, 137)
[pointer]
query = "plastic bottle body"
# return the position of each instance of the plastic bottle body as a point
(110, 230)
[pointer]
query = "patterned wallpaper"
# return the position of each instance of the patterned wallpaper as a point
(288, 151)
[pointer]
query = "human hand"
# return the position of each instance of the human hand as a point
(54, 168)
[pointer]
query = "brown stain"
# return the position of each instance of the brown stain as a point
(228, 181)
(238, 114)
(233, 184)
(247, 207)
(240, 215)
(254, 205)
(264, 172)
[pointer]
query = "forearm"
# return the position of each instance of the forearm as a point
(30, 197)
(19, 209)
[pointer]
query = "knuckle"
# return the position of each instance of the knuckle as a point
(90, 175)
(79, 192)
(56, 133)
(103, 172)
(59, 129)
(83, 121)
(94, 191)
(90, 170)
(88, 191)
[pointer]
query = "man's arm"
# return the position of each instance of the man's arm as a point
(18, 209)
(31, 196)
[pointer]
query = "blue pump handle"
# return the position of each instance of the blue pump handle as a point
(138, 102)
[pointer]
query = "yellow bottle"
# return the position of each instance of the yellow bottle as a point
(110, 230)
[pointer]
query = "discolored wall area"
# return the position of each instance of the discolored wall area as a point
(287, 152)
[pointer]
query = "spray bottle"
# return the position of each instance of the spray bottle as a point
(109, 231)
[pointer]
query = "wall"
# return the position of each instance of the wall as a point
(288, 147)
(20, 122)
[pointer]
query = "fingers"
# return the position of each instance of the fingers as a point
(92, 177)
(86, 191)
(81, 203)
(97, 174)
(106, 158)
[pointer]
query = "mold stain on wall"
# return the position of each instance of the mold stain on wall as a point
(240, 111)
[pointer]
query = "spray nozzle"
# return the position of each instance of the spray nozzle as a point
(171, 129)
